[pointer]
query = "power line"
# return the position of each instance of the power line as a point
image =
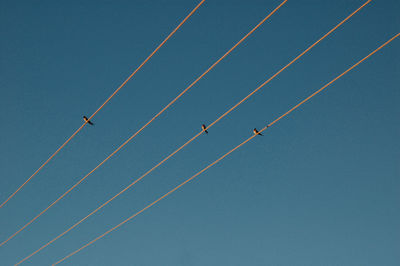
(143, 127)
(181, 147)
(226, 154)
(101, 107)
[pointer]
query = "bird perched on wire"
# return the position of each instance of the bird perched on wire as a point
(87, 120)
(255, 131)
(204, 128)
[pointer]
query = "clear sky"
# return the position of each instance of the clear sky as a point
(321, 187)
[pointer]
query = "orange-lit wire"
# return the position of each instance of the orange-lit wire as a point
(143, 127)
(226, 154)
(291, 62)
(329, 83)
(101, 107)
(154, 202)
(148, 172)
(193, 138)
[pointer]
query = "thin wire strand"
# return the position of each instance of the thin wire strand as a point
(134, 135)
(101, 107)
(134, 182)
(226, 154)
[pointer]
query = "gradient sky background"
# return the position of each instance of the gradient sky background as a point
(321, 188)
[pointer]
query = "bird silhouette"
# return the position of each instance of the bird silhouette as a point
(204, 128)
(87, 120)
(255, 131)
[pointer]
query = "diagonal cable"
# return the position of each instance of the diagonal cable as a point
(101, 107)
(145, 174)
(226, 154)
(134, 135)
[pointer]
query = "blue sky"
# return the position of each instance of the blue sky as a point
(321, 188)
